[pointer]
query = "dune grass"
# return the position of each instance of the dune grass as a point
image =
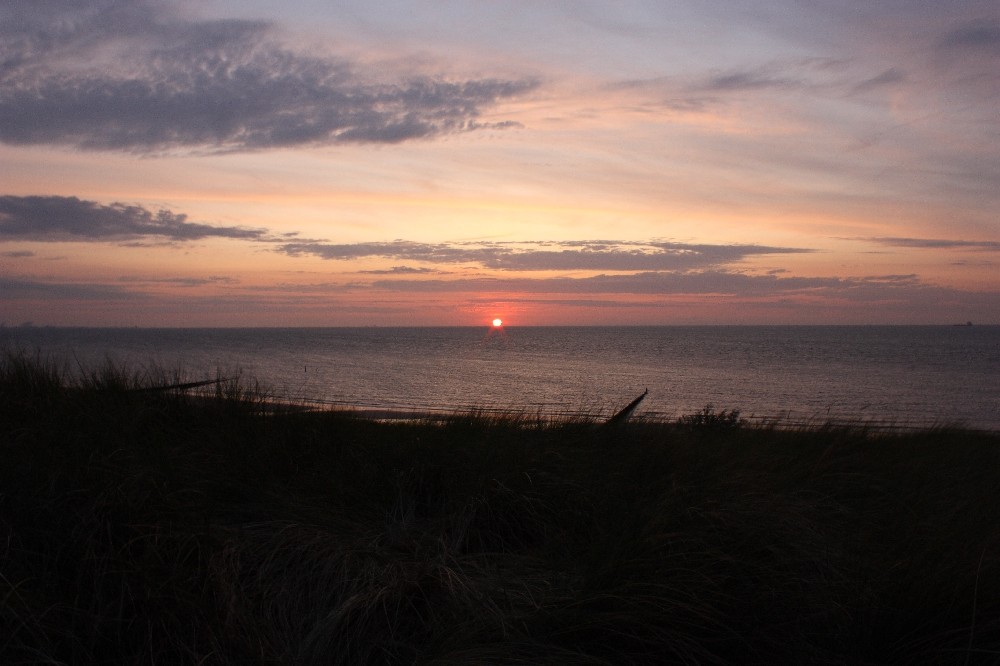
(163, 527)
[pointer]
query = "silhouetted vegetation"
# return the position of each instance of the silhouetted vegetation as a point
(164, 526)
(715, 420)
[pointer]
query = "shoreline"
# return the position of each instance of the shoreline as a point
(445, 373)
(141, 375)
(396, 413)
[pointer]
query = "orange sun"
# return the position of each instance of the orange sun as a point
(497, 323)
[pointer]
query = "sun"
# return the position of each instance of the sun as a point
(497, 323)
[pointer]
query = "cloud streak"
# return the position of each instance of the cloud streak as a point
(713, 292)
(717, 282)
(159, 83)
(179, 281)
(21, 289)
(563, 255)
(939, 243)
(55, 218)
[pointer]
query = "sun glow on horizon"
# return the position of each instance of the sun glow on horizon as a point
(497, 323)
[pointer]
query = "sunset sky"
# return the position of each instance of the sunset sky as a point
(439, 162)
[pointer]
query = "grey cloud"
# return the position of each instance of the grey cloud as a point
(967, 58)
(572, 255)
(406, 250)
(55, 218)
(19, 289)
(611, 303)
(938, 243)
(889, 77)
(748, 80)
(210, 85)
(982, 35)
(18, 254)
(654, 256)
(663, 283)
(400, 270)
(179, 281)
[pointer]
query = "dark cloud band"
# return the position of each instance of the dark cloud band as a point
(209, 86)
(717, 282)
(568, 255)
(54, 218)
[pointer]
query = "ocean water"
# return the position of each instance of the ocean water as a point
(906, 376)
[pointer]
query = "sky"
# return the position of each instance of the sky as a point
(445, 162)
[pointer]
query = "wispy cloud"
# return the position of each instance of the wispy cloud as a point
(757, 79)
(712, 292)
(136, 76)
(400, 270)
(890, 77)
(968, 55)
(981, 36)
(55, 218)
(178, 281)
(938, 243)
(658, 283)
(21, 289)
(698, 91)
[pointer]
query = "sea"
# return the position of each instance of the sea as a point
(884, 376)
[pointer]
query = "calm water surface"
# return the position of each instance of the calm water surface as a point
(910, 376)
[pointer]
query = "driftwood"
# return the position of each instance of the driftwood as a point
(623, 415)
(179, 387)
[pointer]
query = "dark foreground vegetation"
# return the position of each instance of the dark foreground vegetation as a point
(156, 527)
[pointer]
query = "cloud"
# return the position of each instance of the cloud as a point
(179, 281)
(980, 36)
(714, 91)
(134, 76)
(938, 244)
(649, 283)
(20, 289)
(887, 78)
(967, 55)
(566, 255)
(882, 294)
(17, 254)
(748, 80)
(400, 270)
(709, 282)
(55, 218)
